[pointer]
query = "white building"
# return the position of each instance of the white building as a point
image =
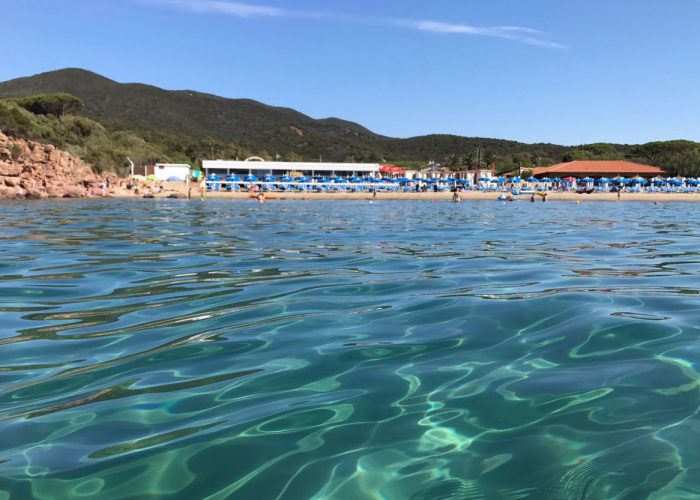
(260, 168)
(165, 171)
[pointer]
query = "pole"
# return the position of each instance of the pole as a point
(131, 163)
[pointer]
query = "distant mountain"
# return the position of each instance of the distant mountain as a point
(136, 105)
(251, 124)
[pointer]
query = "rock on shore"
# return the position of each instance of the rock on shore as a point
(30, 169)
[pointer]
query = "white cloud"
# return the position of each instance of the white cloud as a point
(515, 33)
(238, 9)
(518, 34)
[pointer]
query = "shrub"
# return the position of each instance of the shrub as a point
(15, 152)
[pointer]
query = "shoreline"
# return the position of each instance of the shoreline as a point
(179, 190)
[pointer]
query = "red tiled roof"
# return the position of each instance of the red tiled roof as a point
(392, 169)
(601, 167)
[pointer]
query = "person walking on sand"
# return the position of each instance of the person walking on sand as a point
(544, 197)
(374, 192)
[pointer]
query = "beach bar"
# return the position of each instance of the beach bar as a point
(262, 168)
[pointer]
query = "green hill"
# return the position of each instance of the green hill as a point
(151, 124)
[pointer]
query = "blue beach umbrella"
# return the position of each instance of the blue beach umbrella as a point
(250, 178)
(603, 180)
(532, 179)
(587, 179)
(485, 179)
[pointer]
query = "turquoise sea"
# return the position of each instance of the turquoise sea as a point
(349, 350)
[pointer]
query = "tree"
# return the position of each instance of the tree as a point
(523, 160)
(291, 156)
(52, 104)
(578, 154)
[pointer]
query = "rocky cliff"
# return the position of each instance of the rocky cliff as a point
(33, 170)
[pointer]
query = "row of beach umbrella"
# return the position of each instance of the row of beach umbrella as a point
(451, 180)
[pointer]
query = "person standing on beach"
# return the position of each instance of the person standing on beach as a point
(544, 197)
(202, 188)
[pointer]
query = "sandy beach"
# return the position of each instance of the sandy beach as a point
(179, 189)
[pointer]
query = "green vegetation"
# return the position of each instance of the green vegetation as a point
(149, 124)
(60, 104)
(82, 137)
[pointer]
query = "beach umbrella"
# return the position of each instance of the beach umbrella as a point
(532, 179)
(268, 178)
(659, 181)
(232, 178)
(603, 180)
(692, 182)
(545, 179)
(485, 179)
(569, 179)
(587, 179)
(516, 179)
(675, 182)
(302, 178)
(638, 180)
(250, 178)
(557, 179)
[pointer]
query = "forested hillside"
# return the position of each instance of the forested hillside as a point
(107, 121)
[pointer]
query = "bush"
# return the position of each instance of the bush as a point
(15, 152)
(13, 120)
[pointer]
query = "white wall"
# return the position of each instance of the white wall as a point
(163, 171)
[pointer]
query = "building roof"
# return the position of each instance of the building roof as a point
(287, 166)
(600, 167)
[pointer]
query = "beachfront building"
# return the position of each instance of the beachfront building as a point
(599, 168)
(260, 168)
(437, 171)
(171, 171)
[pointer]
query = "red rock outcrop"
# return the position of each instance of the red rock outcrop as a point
(30, 169)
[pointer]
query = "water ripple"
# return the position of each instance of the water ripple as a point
(349, 350)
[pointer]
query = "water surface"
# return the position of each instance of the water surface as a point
(393, 350)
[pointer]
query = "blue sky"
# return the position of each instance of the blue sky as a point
(561, 71)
